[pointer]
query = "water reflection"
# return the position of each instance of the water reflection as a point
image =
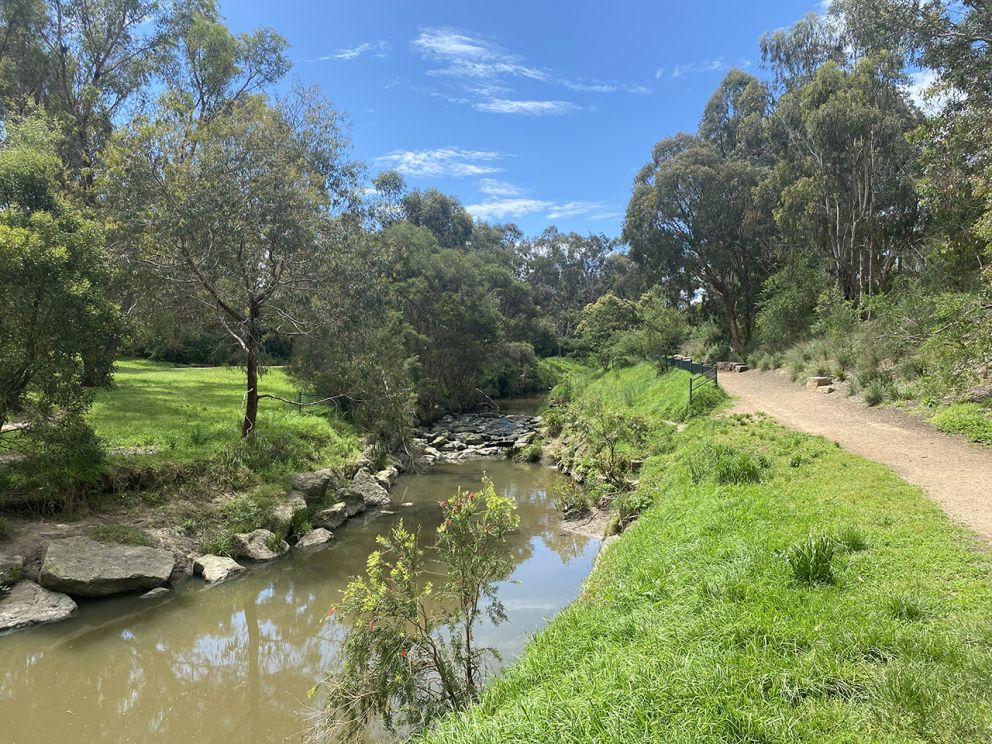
(234, 661)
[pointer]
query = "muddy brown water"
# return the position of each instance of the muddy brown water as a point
(233, 662)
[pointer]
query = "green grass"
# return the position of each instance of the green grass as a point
(195, 413)
(970, 419)
(694, 627)
(121, 534)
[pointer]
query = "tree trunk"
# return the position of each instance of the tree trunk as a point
(252, 346)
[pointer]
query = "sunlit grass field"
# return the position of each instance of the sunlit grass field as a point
(175, 413)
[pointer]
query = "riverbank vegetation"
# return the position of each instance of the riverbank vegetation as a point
(774, 588)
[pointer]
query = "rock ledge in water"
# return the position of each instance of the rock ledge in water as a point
(315, 537)
(28, 604)
(260, 545)
(216, 568)
(87, 568)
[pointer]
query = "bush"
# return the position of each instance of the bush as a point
(876, 392)
(4, 528)
(811, 560)
(531, 453)
(970, 419)
(572, 499)
(626, 508)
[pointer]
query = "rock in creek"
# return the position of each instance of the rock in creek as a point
(11, 567)
(156, 593)
(312, 486)
(260, 545)
(332, 517)
(28, 604)
(87, 568)
(216, 568)
(315, 537)
(285, 511)
(373, 494)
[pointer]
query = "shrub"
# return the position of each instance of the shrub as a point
(969, 419)
(876, 393)
(122, 534)
(626, 508)
(571, 498)
(531, 453)
(811, 560)
(4, 528)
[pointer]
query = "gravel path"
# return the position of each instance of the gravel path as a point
(953, 472)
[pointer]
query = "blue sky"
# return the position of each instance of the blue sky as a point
(536, 113)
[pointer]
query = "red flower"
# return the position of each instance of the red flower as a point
(403, 652)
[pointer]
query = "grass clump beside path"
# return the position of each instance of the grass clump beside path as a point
(816, 598)
(970, 419)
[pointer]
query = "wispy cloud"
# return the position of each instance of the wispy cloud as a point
(487, 72)
(529, 108)
(455, 162)
(495, 187)
(506, 200)
(574, 209)
(378, 49)
(500, 209)
(710, 65)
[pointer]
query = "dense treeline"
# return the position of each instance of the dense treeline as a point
(825, 213)
(165, 194)
(166, 197)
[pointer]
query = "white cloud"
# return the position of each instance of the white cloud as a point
(445, 161)
(485, 70)
(659, 73)
(378, 49)
(574, 209)
(710, 65)
(494, 187)
(500, 209)
(529, 108)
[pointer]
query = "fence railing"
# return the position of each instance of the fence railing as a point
(702, 373)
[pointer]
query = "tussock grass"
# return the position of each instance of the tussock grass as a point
(970, 419)
(693, 627)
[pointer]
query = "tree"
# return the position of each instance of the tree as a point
(238, 209)
(410, 654)
(845, 173)
(54, 272)
(443, 215)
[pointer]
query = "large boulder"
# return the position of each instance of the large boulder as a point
(260, 545)
(312, 486)
(332, 517)
(216, 568)
(29, 604)
(87, 568)
(315, 537)
(11, 567)
(285, 511)
(373, 494)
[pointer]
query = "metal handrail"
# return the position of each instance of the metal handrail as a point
(702, 373)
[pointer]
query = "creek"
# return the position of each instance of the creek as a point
(233, 661)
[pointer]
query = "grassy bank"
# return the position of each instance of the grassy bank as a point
(164, 426)
(776, 589)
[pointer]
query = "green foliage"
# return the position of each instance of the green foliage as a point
(811, 560)
(970, 419)
(905, 607)
(121, 534)
(787, 309)
(702, 563)
(409, 655)
(852, 539)
(531, 453)
(726, 464)
(572, 498)
(4, 528)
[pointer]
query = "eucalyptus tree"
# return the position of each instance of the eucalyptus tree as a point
(236, 211)
(845, 172)
(693, 222)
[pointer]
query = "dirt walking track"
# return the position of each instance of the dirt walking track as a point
(954, 473)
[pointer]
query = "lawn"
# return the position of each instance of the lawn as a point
(706, 622)
(195, 413)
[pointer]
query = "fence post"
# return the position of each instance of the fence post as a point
(690, 391)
